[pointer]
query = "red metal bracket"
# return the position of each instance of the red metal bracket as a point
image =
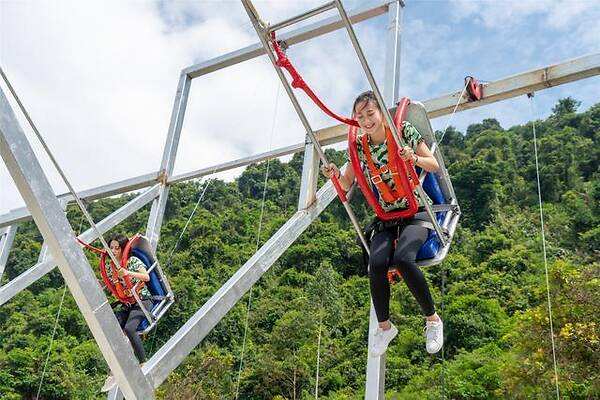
(473, 88)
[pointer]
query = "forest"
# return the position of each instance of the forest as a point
(490, 290)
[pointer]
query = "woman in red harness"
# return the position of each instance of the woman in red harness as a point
(392, 243)
(131, 315)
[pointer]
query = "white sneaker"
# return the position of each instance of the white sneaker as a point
(434, 332)
(381, 340)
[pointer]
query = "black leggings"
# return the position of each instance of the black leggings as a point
(129, 318)
(384, 256)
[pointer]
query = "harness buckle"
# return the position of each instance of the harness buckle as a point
(384, 169)
(376, 179)
(394, 276)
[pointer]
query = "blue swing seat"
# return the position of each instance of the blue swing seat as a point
(430, 248)
(154, 285)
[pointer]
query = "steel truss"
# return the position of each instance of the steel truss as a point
(47, 209)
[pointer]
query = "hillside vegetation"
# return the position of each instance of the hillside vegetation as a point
(494, 301)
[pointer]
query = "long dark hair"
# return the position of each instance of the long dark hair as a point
(365, 96)
(119, 238)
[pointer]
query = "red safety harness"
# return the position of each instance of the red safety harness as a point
(120, 287)
(388, 194)
(299, 83)
(403, 172)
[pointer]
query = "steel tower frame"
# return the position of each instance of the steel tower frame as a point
(47, 209)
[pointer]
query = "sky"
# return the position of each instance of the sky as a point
(99, 77)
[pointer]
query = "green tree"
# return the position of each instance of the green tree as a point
(565, 106)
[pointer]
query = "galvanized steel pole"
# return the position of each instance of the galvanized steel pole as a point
(262, 32)
(50, 219)
(388, 117)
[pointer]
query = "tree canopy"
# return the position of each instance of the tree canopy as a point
(316, 296)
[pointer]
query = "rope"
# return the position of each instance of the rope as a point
(537, 175)
(90, 247)
(262, 209)
(453, 112)
(60, 171)
(318, 356)
(62, 300)
(185, 226)
(443, 288)
(299, 83)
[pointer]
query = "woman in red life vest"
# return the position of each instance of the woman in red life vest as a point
(131, 315)
(393, 244)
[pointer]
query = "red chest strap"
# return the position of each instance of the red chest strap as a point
(405, 172)
(388, 194)
(121, 288)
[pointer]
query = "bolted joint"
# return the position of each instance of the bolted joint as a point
(162, 177)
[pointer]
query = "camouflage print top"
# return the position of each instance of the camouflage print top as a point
(379, 155)
(134, 264)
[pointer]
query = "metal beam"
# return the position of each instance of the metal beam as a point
(372, 9)
(375, 382)
(112, 189)
(45, 250)
(40, 269)
(174, 132)
(310, 176)
(240, 162)
(44, 253)
(159, 205)
(301, 17)
(168, 357)
(114, 394)
(265, 38)
(519, 84)
(502, 89)
(391, 86)
(166, 168)
(37, 193)
(375, 379)
(7, 236)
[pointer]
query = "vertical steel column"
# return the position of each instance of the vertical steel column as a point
(168, 161)
(114, 394)
(44, 251)
(375, 382)
(77, 272)
(264, 39)
(391, 86)
(7, 236)
(310, 176)
(386, 113)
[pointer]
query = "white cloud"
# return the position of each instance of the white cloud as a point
(99, 77)
(99, 80)
(558, 14)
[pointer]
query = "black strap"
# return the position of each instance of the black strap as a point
(420, 222)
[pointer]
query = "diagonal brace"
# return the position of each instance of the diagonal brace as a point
(172, 353)
(40, 269)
